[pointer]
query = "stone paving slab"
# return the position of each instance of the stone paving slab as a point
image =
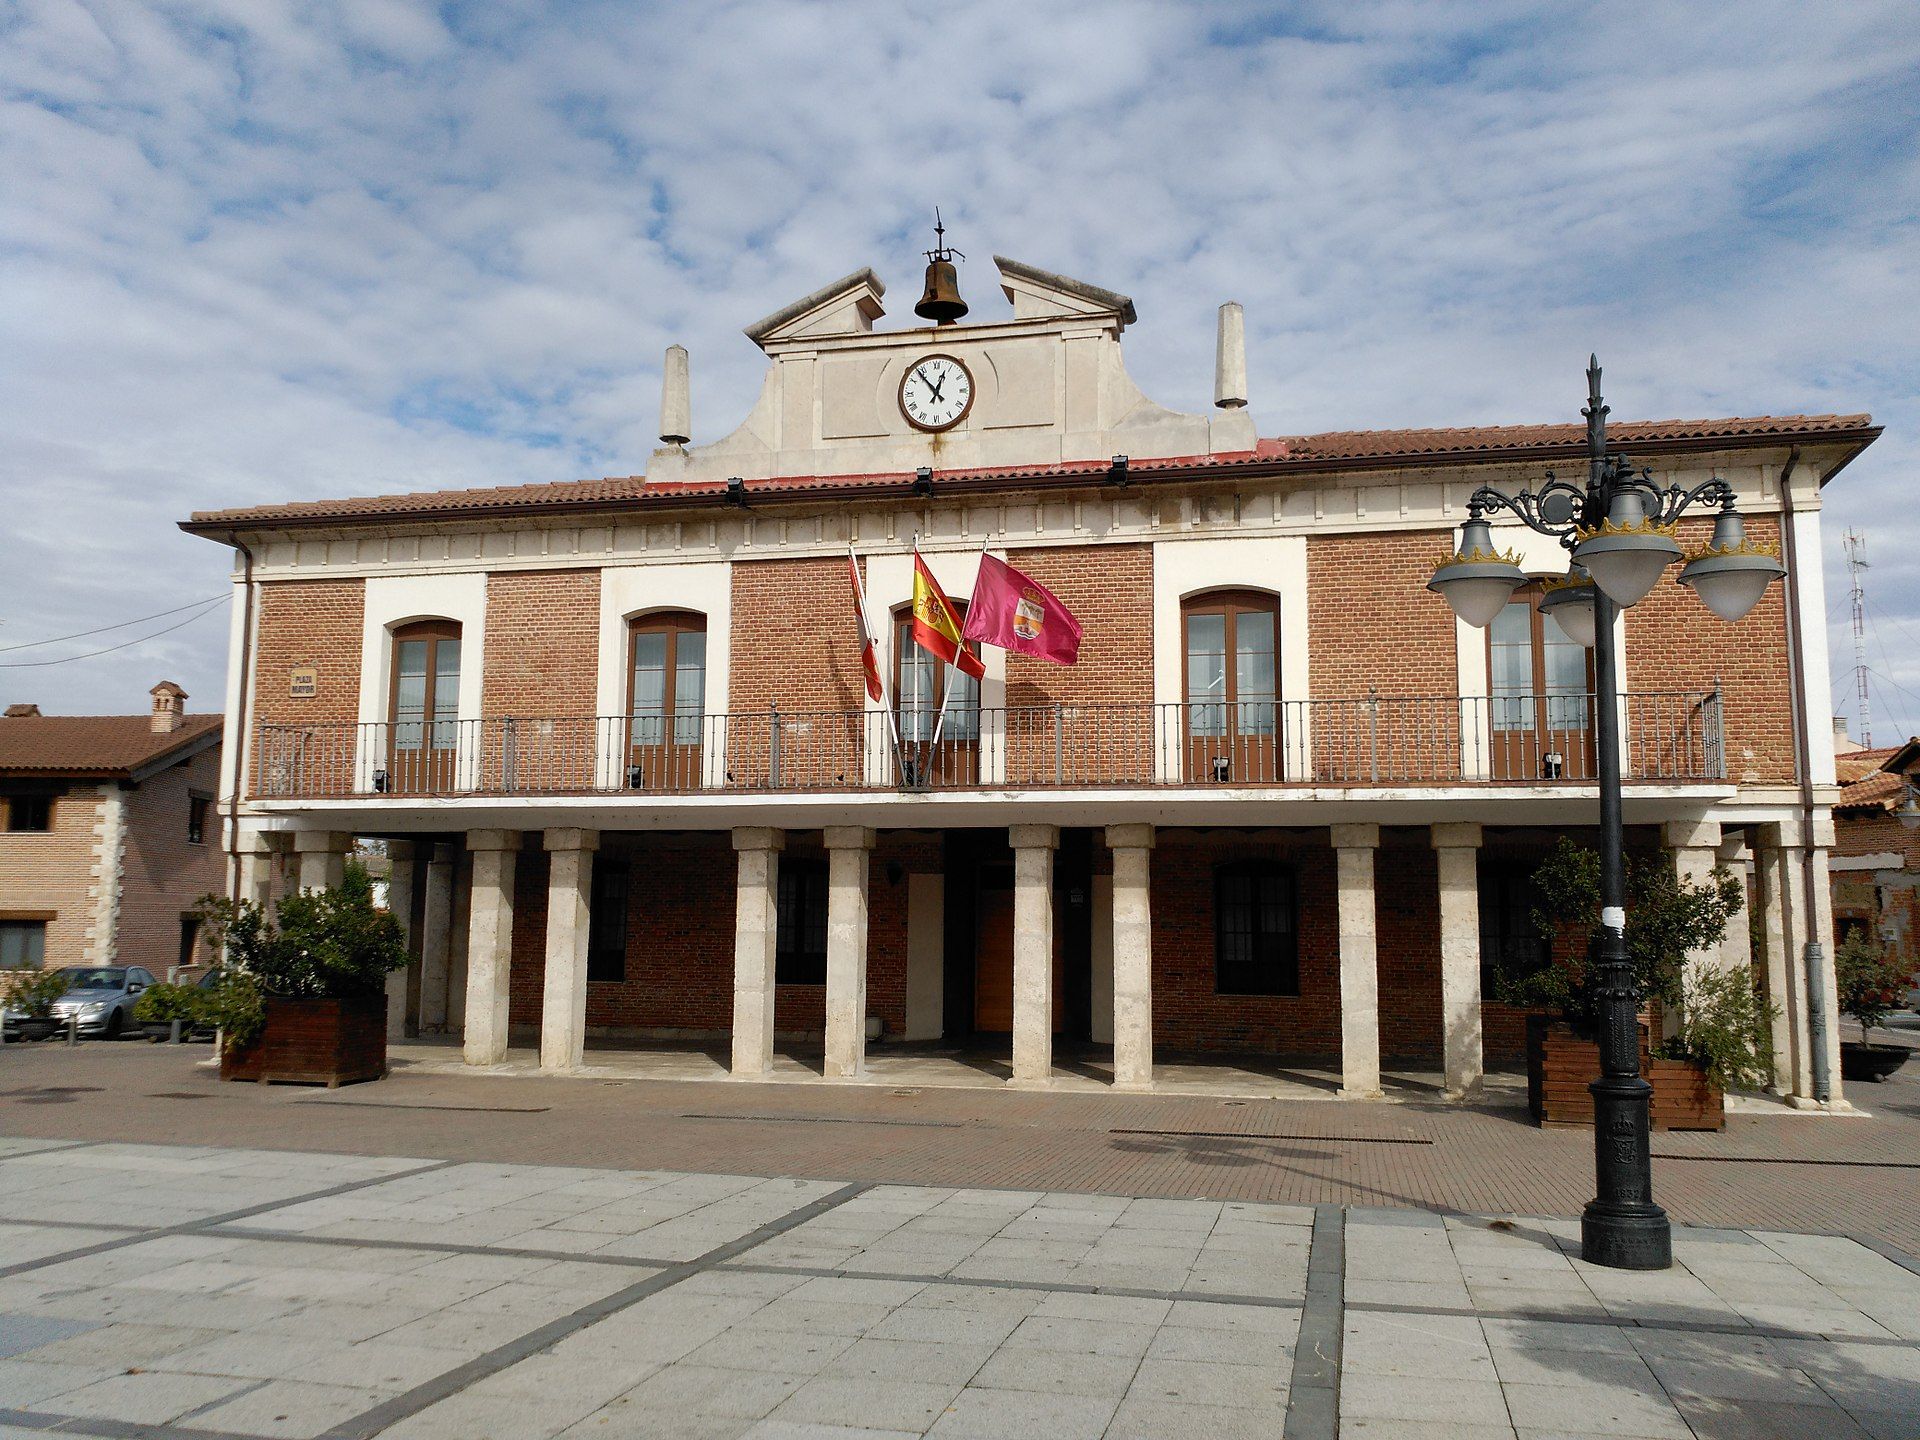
(333, 1298)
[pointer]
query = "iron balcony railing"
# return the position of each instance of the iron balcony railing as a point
(1667, 737)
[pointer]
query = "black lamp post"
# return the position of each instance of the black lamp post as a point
(1619, 527)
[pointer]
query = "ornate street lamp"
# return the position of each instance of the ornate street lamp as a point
(1619, 527)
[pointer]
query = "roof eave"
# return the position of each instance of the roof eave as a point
(224, 526)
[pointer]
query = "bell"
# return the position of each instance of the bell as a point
(941, 303)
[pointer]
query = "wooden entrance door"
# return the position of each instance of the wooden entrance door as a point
(1232, 654)
(1539, 684)
(667, 697)
(423, 711)
(993, 955)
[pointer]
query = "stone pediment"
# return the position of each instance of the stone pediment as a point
(1049, 385)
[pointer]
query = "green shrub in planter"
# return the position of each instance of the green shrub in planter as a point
(1726, 1026)
(1872, 980)
(160, 1005)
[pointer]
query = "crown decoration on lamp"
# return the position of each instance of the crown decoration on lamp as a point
(1731, 572)
(1477, 579)
(1568, 599)
(1626, 552)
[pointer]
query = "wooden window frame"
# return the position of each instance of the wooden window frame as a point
(1539, 696)
(1285, 962)
(1232, 604)
(433, 632)
(28, 921)
(673, 624)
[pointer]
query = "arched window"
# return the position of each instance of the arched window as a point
(423, 707)
(1538, 681)
(924, 686)
(666, 697)
(1231, 652)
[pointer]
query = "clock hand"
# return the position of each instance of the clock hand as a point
(936, 388)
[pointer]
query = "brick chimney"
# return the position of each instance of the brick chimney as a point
(22, 712)
(169, 707)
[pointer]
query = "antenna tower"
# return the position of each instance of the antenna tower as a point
(1856, 563)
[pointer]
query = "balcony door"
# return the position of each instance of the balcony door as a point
(922, 684)
(1540, 718)
(423, 712)
(667, 689)
(1231, 719)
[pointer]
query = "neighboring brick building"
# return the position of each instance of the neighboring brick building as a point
(617, 735)
(1876, 853)
(108, 835)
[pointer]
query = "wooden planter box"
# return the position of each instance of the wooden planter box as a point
(314, 1042)
(1560, 1066)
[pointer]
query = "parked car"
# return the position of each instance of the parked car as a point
(100, 996)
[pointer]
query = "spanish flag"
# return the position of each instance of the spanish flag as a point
(936, 624)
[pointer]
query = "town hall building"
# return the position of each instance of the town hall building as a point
(617, 736)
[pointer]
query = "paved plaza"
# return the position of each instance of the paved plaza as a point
(477, 1256)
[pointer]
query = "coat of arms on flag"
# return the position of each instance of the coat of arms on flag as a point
(1017, 612)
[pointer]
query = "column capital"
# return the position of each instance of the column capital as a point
(1130, 837)
(1456, 835)
(1356, 837)
(321, 842)
(1774, 835)
(758, 837)
(1034, 837)
(1734, 850)
(1691, 834)
(847, 837)
(1824, 836)
(494, 839)
(265, 842)
(554, 840)
(399, 850)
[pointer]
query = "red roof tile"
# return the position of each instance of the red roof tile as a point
(1359, 448)
(94, 745)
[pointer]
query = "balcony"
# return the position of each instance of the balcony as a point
(1668, 738)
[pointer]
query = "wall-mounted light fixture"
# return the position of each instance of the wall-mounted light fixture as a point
(736, 490)
(1117, 472)
(923, 480)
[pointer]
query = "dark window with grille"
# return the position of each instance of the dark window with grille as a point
(1256, 947)
(1509, 941)
(30, 814)
(607, 919)
(800, 945)
(197, 808)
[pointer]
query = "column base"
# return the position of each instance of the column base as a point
(1374, 1094)
(1467, 1092)
(1804, 1102)
(1630, 1238)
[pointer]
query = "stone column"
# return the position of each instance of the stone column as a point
(563, 1000)
(1132, 847)
(754, 935)
(1821, 979)
(400, 906)
(1359, 963)
(1736, 946)
(489, 943)
(1033, 847)
(323, 857)
(849, 850)
(1783, 886)
(1456, 853)
(436, 940)
(260, 851)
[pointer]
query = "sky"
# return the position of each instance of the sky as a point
(254, 251)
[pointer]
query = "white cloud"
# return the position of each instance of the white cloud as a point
(256, 252)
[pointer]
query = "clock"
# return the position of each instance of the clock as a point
(936, 393)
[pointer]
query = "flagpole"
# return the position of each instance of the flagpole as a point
(866, 632)
(946, 692)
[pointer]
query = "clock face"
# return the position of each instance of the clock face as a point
(936, 393)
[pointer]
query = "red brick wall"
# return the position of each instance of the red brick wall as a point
(543, 643)
(1109, 588)
(48, 875)
(795, 646)
(1406, 886)
(317, 623)
(162, 875)
(1675, 643)
(1187, 1014)
(1355, 580)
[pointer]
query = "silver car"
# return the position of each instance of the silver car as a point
(101, 997)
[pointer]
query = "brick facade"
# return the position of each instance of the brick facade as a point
(1675, 643)
(50, 876)
(543, 643)
(162, 873)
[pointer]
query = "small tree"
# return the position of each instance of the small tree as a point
(33, 995)
(333, 944)
(1871, 980)
(1725, 1024)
